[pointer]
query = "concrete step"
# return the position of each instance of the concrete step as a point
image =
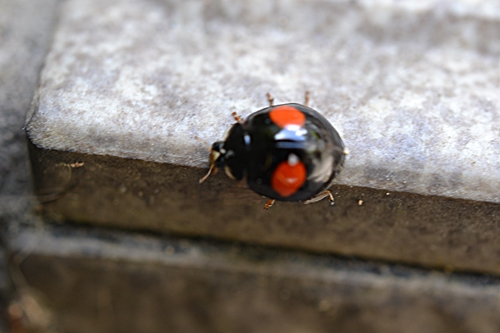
(97, 280)
(128, 86)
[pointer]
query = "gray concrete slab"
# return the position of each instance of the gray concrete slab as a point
(412, 88)
(113, 282)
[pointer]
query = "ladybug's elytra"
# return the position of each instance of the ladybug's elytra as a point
(287, 152)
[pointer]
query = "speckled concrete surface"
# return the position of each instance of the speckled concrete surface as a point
(412, 88)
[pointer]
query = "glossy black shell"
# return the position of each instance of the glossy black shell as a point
(256, 147)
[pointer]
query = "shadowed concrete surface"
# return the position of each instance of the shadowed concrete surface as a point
(25, 31)
(434, 231)
(114, 282)
(72, 278)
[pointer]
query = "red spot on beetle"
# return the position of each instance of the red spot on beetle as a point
(288, 177)
(286, 115)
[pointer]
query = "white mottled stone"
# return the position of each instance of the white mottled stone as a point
(413, 88)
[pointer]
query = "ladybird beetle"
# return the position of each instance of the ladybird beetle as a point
(287, 152)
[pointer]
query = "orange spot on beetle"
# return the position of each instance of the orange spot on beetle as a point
(286, 115)
(288, 178)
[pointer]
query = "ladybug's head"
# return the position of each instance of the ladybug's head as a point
(217, 154)
(216, 159)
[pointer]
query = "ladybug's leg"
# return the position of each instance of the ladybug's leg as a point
(270, 99)
(237, 118)
(211, 171)
(269, 203)
(306, 99)
(321, 196)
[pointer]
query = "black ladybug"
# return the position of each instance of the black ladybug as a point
(287, 152)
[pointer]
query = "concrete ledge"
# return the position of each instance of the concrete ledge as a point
(109, 191)
(412, 88)
(103, 282)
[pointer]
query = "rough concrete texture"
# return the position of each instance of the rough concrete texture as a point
(109, 282)
(425, 230)
(412, 87)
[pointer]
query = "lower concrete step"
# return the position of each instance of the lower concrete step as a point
(107, 281)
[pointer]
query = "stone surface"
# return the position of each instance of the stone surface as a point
(110, 282)
(432, 231)
(412, 88)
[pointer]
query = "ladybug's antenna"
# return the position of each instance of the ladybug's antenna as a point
(206, 144)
